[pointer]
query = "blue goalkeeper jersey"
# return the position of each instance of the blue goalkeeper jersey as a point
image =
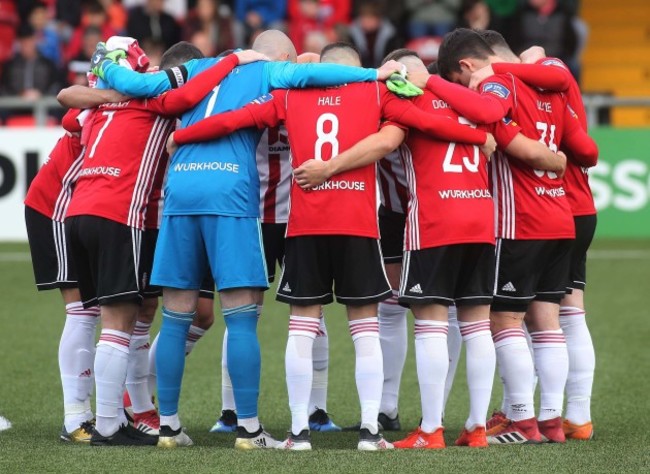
(220, 177)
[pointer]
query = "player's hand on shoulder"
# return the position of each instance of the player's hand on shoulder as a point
(563, 160)
(489, 146)
(532, 55)
(101, 56)
(418, 79)
(311, 173)
(249, 56)
(479, 76)
(386, 70)
(172, 146)
(114, 96)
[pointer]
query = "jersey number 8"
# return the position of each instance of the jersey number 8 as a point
(326, 137)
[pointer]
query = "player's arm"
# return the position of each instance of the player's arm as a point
(536, 75)
(70, 121)
(582, 148)
(372, 148)
(437, 126)
(141, 85)
(189, 95)
(534, 153)
(82, 97)
(481, 108)
(285, 75)
(264, 112)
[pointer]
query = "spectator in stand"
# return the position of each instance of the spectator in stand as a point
(117, 15)
(475, 14)
(210, 24)
(316, 15)
(49, 43)
(8, 24)
(151, 22)
(29, 74)
(546, 23)
(80, 64)
(431, 17)
(93, 14)
(255, 16)
(154, 50)
(314, 42)
(373, 34)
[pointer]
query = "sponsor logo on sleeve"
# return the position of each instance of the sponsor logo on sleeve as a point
(262, 99)
(497, 89)
(554, 62)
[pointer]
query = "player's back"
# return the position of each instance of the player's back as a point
(321, 124)
(219, 176)
(125, 144)
(533, 202)
(449, 197)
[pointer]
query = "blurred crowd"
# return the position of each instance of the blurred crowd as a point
(47, 44)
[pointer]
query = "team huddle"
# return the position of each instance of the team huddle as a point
(480, 161)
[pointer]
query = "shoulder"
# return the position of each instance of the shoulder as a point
(500, 85)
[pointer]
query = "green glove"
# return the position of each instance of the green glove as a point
(102, 57)
(398, 85)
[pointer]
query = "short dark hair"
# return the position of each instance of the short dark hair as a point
(399, 54)
(178, 54)
(94, 6)
(460, 44)
(225, 53)
(433, 68)
(493, 38)
(339, 45)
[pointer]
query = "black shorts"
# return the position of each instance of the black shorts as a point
(51, 259)
(528, 270)
(207, 287)
(273, 236)
(391, 228)
(585, 229)
(106, 255)
(462, 274)
(313, 264)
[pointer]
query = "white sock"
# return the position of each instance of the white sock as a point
(454, 346)
(227, 395)
(552, 363)
(481, 363)
(76, 359)
(251, 425)
(432, 363)
(193, 337)
(299, 369)
(582, 363)
(517, 372)
(394, 344)
(153, 373)
(320, 354)
(137, 373)
(111, 361)
(368, 372)
(173, 421)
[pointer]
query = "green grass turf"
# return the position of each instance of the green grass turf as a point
(30, 395)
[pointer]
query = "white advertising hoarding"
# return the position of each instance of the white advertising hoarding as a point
(22, 151)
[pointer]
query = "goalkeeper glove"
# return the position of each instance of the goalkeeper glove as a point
(102, 57)
(398, 85)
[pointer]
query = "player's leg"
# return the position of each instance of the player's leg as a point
(361, 283)
(236, 258)
(549, 343)
(582, 359)
(54, 268)
(473, 297)
(515, 279)
(454, 347)
(306, 285)
(180, 279)
(392, 318)
(144, 415)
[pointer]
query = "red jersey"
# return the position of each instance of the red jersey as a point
(393, 188)
(153, 214)
(51, 190)
(576, 178)
(321, 124)
(530, 204)
(125, 144)
(449, 196)
(274, 168)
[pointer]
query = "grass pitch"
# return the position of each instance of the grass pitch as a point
(30, 395)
